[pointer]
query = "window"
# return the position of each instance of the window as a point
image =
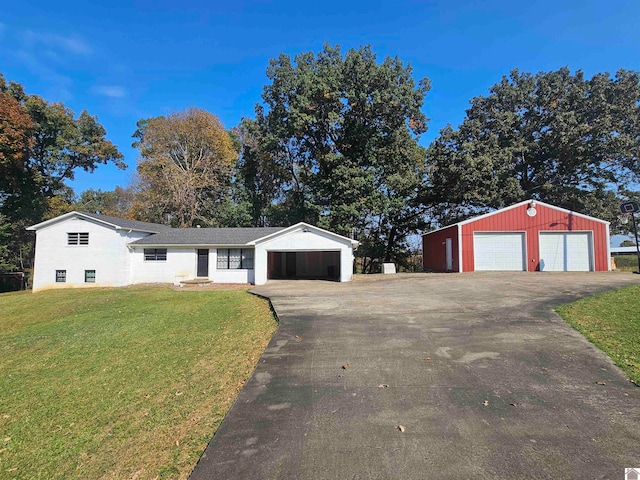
(89, 276)
(155, 254)
(235, 258)
(61, 276)
(76, 238)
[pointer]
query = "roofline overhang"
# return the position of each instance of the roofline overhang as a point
(516, 205)
(190, 245)
(73, 213)
(284, 231)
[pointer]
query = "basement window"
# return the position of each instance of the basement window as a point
(155, 254)
(89, 276)
(78, 238)
(61, 276)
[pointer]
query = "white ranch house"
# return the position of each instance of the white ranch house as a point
(85, 250)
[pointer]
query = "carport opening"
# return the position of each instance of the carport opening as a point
(318, 265)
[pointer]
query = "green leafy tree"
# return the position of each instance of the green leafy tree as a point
(259, 180)
(335, 144)
(117, 202)
(628, 243)
(42, 145)
(7, 261)
(554, 136)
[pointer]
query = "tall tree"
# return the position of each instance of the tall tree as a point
(185, 166)
(259, 179)
(42, 145)
(554, 136)
(15, 140)
(341, 132)
(117, 202)
(7, 261)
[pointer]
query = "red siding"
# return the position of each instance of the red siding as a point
(434, 249)
(547, 219)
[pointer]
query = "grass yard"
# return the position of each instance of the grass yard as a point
(611, 321)
(626, 263)
(121, 383)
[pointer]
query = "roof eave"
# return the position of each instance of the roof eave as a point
(67, 215)
(117, 227)
(190, 245)
(439, 229)
(538, 202)
(305, 225)
(516, 205)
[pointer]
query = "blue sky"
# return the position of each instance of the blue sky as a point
(124, 61)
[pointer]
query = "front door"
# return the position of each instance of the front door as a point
(203, 263)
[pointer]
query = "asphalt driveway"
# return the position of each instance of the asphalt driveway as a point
(485, 379)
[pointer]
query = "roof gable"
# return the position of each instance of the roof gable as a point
(537, 202)
(516, 205)
(303, 225)
(114, 222)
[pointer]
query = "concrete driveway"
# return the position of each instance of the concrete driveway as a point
(485, 379)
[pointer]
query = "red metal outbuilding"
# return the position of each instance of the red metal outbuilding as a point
(528, 236)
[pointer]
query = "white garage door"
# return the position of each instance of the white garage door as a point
(499, 251)
(565, 252)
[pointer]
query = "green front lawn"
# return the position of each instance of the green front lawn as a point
(121, 383)
(611, 321)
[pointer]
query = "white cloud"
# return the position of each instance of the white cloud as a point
(59, 85)
(111, 91)
(70, 44)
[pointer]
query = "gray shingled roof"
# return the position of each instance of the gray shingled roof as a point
(207, 236)
(131, 224)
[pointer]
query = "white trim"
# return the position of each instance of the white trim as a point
(134, 245)
(510, 207)
(84, 216)
(591, 245)
(608, 240)
(284, 231)
(441, 228)
(538, 202)
(525, 246)
(460, 269)
(285, 250)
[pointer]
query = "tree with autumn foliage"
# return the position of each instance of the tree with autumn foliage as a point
(42, 145)
(184, 168)
(15, 140)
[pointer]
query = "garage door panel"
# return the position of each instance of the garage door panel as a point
(552, 253)
(565, 252)
(303, 265)
(578, 253)
(499, 251)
